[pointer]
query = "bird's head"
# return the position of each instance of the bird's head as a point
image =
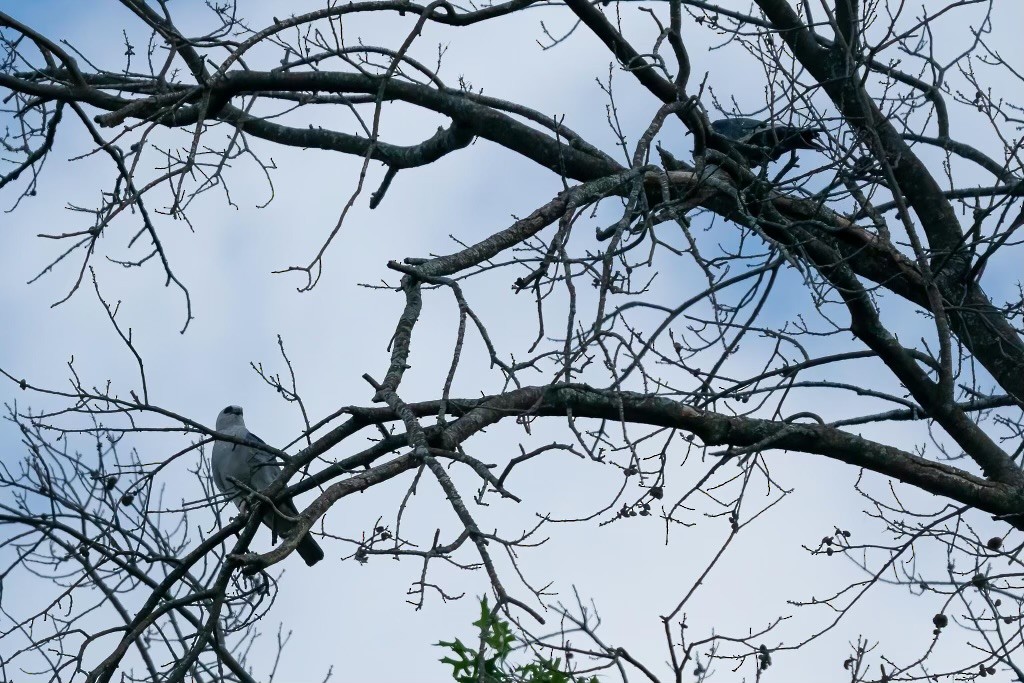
(229, 417)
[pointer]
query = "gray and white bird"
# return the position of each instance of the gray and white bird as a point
(761, 141)
(257, 470)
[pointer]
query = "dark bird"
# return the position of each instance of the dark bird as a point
(256, 470)
(760, 141)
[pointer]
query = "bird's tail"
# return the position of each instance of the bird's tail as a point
(309, 550)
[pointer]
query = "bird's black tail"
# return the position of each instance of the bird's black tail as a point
(309, 550)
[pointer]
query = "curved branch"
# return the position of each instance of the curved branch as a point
(714, 429)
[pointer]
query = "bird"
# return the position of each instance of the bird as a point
(762, 141)
(257, 470)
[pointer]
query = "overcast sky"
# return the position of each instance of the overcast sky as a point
(355, 617)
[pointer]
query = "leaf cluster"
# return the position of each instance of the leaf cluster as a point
(490, 664)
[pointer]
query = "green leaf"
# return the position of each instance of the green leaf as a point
(498, 643)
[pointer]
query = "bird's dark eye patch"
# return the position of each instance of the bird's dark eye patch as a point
(226, 411)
